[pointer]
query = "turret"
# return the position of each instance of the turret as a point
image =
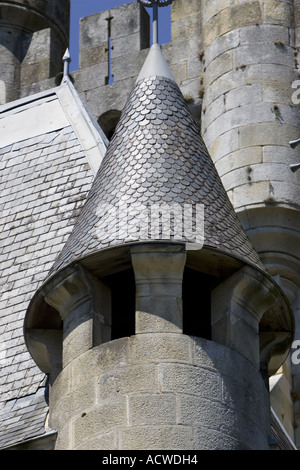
(33, 38)
(158, 323)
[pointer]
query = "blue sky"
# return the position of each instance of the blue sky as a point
(81, 8)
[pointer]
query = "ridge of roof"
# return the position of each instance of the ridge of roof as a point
(90, 135)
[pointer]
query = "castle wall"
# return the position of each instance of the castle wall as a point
(160, 391)
(235, 62)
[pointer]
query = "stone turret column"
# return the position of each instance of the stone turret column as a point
(158, 274)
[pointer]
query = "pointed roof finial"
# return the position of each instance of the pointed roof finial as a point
(155, 4)
(66, 60)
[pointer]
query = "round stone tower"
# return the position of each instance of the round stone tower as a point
(33, 37)
(250, 114)
(158, 324)
(249, 118)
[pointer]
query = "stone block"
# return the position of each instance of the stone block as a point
(222, 44)
(99, 419)
(242, 96)
(91, 77)
(222, 145)
(187, 31)
(34, 72)
(242, 337)
(194, 68)
(61, 386)
(181, 9)
(222, 64)
(157, 438)
(215, 109)
(278, 94)
(64, 438)
(107, 356)
(238, 159)
(108, 441)
(265, 33)
(161, 347)
(128, 65)
(225, 83)
(148, 409)
(93, 55)
(180, 50)
(247, 195)
(69, 405)
(212, 415)
(8, 73)
(233, 17)
(100, 100)
(279, 154)
(191, 380)
(134, 379)
(243, 116)
(180, 72)
(152, 315)
(224, 361)
(269, 54)
(266, 133)
(276, 12)
(269, 73)
(39, 47)
(246, 403)
(213, 7)
(208, 439)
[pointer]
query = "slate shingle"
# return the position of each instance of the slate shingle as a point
(40, 180)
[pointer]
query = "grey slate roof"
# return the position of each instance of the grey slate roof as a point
(45, 176)
(156, 156)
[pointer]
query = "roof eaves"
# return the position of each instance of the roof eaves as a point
(90, 135)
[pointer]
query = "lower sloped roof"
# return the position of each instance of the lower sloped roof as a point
(50, 149)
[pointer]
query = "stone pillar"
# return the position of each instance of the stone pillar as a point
(158, 273)
(83, 304)
(239, 305)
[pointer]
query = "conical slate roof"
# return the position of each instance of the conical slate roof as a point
(156, 156)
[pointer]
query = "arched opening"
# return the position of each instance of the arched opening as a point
(108, 122)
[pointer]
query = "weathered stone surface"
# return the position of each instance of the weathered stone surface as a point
(228, 19)
(158, 405)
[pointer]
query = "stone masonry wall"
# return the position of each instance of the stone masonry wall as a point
(251, 59)
(248, 117)
(159, 391)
